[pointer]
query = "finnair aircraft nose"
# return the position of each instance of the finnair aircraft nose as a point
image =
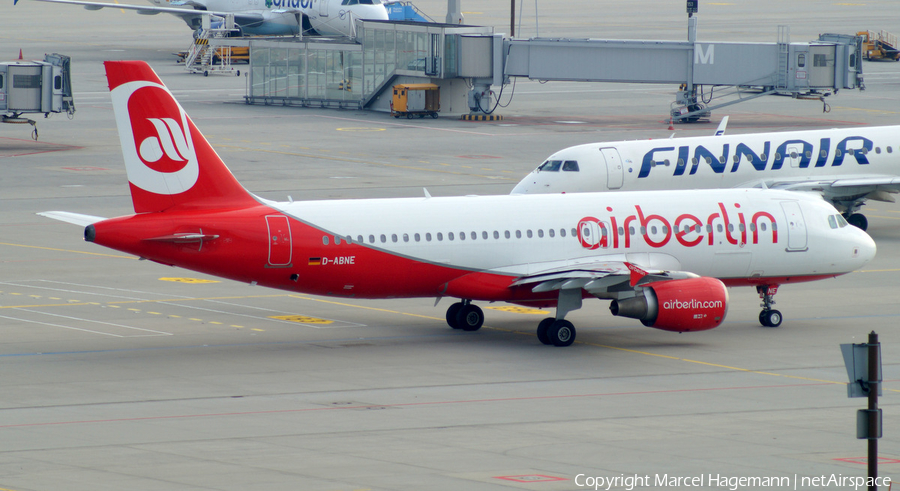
(866, 247)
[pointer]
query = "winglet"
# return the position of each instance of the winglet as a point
(636, 273)
(721, 129)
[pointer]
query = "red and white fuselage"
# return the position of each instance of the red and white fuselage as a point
(659, 256)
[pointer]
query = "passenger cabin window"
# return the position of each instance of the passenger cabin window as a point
(570, 166)
(550, 166)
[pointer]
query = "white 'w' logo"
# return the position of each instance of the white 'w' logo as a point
(170, 140)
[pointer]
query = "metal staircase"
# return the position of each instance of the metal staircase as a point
(206, 55)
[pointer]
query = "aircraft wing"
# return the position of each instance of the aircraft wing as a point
(594, 275)
(878, 186)
(145, 9)
(73, 218)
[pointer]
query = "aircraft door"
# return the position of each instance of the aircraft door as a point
(323, 8)
(615, 171)
(793, 155)
(796, 226)
(279, 241)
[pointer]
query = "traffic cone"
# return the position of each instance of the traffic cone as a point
(20, 53)
(671, 124)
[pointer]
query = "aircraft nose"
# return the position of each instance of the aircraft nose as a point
(864, 247)
(370, 12)
(521, 188)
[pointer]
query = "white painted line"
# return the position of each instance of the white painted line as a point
(160, 333)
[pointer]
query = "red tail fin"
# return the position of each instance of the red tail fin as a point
(168, 161)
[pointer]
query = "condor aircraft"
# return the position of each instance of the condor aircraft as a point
(663, 258)
(846, 166)
(262, 17)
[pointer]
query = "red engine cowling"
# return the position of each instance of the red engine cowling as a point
(694, 304)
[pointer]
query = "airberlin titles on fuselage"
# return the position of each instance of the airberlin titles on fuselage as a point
(795, 152)
(689, 230)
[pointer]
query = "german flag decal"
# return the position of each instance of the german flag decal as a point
(315, 261)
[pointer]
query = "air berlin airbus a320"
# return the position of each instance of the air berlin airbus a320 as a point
(664, 257)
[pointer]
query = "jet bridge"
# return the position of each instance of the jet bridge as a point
(29, 87)
(709, 74)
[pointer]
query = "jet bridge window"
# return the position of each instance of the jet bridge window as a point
(570, 166)
(550, 166)
(820, 60)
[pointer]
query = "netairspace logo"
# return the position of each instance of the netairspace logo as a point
(732, 483)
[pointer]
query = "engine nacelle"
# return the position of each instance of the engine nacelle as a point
(693, 304)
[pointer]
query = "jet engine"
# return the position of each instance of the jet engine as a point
(693, 304)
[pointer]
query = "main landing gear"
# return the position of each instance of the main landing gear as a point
(769, 317)
(463, 315)
(552, 330)
(558, 332)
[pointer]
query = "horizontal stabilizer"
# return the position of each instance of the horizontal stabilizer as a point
(73, 218)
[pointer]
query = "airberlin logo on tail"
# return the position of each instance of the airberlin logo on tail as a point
(156, 138)
(169, 140)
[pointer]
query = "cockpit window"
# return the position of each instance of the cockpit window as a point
(841, 222)
(570, 166)
(550, 166)
(837, 221)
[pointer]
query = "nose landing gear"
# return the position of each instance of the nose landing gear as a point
(769, 317)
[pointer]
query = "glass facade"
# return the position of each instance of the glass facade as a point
(348, 74)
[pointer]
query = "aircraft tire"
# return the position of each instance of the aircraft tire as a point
(470, 318)
(561, 333)
(770, 318)
(542, 330)
(859, 221)
(452, 312)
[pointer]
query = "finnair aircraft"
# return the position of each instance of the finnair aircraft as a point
(846, 166)
(262, 17)
(664, 258)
